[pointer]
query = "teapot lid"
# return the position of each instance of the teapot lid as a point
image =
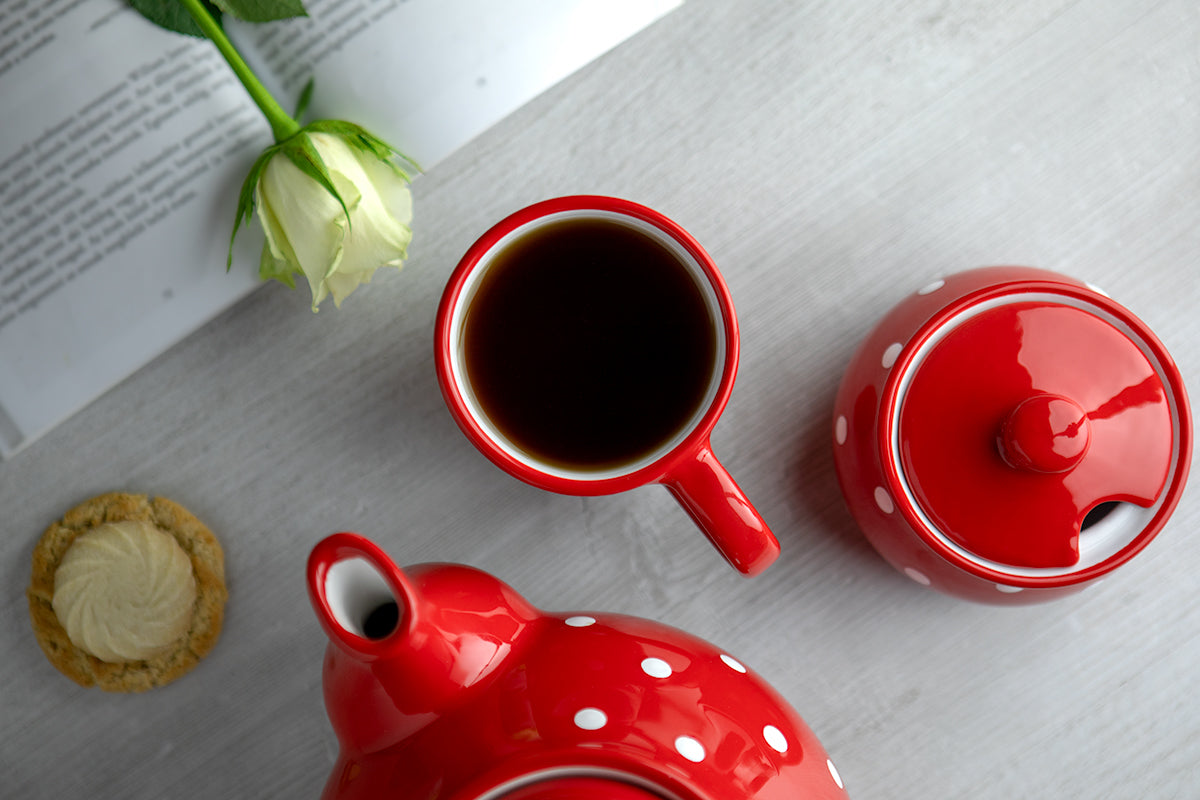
(1022, 420)
(580, 788)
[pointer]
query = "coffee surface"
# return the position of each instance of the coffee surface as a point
(589, 344)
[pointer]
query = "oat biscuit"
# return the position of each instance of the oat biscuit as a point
(174, 659)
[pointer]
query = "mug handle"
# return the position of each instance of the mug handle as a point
(719, 507)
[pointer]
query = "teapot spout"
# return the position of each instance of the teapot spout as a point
(404, 644)
(363, 601)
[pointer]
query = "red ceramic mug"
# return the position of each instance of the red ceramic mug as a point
(587, 345)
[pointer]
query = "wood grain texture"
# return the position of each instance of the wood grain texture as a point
(832, 157)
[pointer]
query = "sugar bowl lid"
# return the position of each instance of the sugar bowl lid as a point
(1039, 430)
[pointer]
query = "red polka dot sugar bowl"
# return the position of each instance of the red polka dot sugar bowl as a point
(442, 682)
(1010, 435)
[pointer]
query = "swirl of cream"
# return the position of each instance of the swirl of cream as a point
(124, 591)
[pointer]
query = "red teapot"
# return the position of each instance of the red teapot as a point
(442, 682)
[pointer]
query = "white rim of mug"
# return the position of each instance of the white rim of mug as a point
(466, 295)
(1100, 542)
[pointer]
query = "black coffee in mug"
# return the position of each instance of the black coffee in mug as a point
(589, 343)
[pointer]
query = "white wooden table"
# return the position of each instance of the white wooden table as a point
(832, 157)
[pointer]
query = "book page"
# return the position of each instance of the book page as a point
(123, 148)
(428, 75)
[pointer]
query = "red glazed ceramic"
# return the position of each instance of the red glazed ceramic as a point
(1010, 435)
(442, 682)
(685, 463)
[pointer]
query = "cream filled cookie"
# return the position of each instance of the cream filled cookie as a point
(127, 592)
(124, 591)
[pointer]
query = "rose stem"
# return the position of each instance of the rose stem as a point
(282, 124)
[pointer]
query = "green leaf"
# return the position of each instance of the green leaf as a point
(278, 270)
(263, 10)
(173, 16)
(305, 98)
(245, 206)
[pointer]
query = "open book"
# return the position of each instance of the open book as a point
(123, 147)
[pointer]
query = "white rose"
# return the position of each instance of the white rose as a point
(335, 207)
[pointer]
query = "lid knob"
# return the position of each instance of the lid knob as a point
(1046, 433)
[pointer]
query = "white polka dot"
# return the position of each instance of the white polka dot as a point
(1008, 589)
(690, 749)
(884, 500)
(580, 622)
(917, 575)
(891, 354)
(590, 719)
(834, 773)
(839, 430)
(775, 739)
(732, 663)
(931, 287)
(656, 668)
